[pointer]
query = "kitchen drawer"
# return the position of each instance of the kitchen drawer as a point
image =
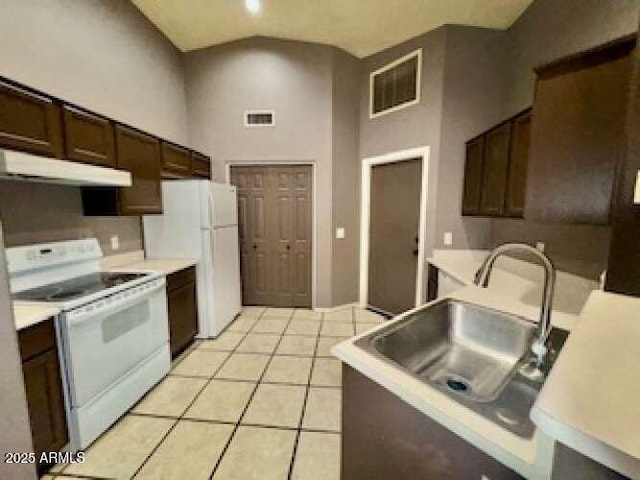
(37, 339)
(181, 278)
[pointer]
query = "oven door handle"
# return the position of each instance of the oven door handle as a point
(114, 303)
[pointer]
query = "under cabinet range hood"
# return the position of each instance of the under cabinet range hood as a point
(35, 168)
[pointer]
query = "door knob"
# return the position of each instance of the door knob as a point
(255, 246)
(288, 247)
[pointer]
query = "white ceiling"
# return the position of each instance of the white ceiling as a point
(361, 27)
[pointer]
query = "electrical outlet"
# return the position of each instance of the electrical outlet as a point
(448, 239)
(340, 232)
(115, 242)
(540, 246)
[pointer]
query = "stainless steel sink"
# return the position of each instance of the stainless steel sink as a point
(476, 355)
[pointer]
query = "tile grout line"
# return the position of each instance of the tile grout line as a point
(206, 384)
(253, 393)
(257, 383)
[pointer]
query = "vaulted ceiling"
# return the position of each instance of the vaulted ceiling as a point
(361, 27)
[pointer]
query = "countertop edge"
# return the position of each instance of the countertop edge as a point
(523, 459)
(28, 314)
(165, 266)
(586, 444)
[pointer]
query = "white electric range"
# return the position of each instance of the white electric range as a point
(112, 332)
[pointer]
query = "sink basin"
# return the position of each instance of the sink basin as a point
(473, 354)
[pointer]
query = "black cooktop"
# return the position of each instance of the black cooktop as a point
(77, 287)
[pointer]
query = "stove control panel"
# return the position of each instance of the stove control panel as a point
(33, 257)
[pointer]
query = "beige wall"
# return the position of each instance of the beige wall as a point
(104, 56)
(346, 177)
(295, 80)
(14, 420)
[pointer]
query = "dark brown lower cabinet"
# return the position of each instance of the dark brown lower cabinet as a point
(384, 438)
(43, 386)
(183, 311)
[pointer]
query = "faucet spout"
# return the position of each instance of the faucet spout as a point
(538, 347)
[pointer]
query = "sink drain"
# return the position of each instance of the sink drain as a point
(457, 385)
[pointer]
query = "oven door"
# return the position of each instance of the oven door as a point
(107, 339)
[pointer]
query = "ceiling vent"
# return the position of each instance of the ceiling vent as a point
(259, 118)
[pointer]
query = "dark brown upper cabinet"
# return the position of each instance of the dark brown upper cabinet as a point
(494, 172)
(495, 175)
(29, 121)
(200, 165)
(473, 177)
(623, 272)
(578, 135)
(139, 154)
(88, 137)
(176, 161)
(518, 164)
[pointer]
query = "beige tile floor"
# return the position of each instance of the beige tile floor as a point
(262, 401)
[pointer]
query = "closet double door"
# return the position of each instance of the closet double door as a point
(275, 227)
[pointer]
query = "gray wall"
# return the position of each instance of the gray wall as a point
(294, 79)
(475, 81)
(346, 177)
(548, 30)
(413, 126)
(14, 421)
(105, 56)
(35, 213)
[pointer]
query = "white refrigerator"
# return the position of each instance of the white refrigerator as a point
(200, 221)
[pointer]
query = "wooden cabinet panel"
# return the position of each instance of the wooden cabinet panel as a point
(494, 172)
(29, 121)
(518, 163)
(176, 161)
(88, 137)
(200, 165)
(183, 311)
(36, 339)
(43, 387)
(623, 273)
(385, 438)
(473, 177)
(139, 154)
(577, 136)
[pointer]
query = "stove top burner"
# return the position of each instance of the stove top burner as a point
(77, 287)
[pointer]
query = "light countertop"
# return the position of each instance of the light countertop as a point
(531, 458)
(26, 314)
(520, 284)
(136, 262)
(590, 402)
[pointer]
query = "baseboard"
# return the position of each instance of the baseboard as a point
(336, 308)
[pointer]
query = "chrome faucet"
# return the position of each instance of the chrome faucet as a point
(538, 347)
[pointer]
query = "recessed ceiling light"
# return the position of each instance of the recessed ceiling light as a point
(252, 5)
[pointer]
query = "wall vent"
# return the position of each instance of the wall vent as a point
(396, 85)
(259, 118)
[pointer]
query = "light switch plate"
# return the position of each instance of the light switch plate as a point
(340, 232)
(636, 197)
(115, 242)
(448, 239)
